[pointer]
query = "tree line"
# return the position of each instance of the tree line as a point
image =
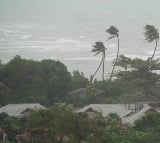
(28, 81)
(48, 82)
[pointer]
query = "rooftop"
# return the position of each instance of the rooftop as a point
(106, 109)
(17, 110)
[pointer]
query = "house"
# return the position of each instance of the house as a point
(105, 109)
(138, 115)
(128, 113)
(19, 110)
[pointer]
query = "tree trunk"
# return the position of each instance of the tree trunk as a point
(116, 60)
(97, 69)
(103, 66)
(154, 50)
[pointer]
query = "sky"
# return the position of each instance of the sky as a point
(65, 30)
(44, 6)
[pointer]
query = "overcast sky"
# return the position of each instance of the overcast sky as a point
(20, 7)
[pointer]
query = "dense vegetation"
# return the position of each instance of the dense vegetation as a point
(48, 82)
(31, 81)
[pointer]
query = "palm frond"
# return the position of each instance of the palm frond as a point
(151, 33)
(111, 38)
(113, 31)
(97, 53)
(98, 47)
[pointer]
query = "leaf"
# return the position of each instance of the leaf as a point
(97, 53)
(111, 38)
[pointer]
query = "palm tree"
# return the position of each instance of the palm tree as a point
(151, 34)
(114, 32)
(99, 48)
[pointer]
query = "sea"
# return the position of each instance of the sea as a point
(66, 30)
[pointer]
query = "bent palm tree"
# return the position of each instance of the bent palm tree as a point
(99, 48)
(151, 34)
(114, 32)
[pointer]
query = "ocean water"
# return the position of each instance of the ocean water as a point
(65, 30)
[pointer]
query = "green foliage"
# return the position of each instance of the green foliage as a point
(137, 82)
(151, 33)
(78, 80)
(24, 80)
(49, 81)
(91, 91)
(150, 122)
(13, 126)
(56, 123)
(123, 62)
(130, 136)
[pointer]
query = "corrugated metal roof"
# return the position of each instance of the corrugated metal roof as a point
(131, 119)
(18, 109)
(106, 109)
